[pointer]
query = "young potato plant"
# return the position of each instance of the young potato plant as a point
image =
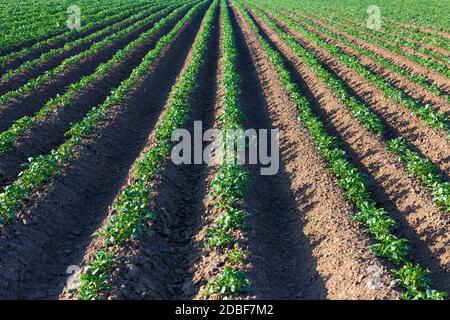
(423, 169)
(361, 111)
(131, 209)
(375, 220)
(102, 21)
(28, 65)
(229, 184)
(367, 35)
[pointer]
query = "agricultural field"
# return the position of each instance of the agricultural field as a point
(351, 199)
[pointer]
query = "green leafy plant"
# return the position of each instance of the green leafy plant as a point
(228, 282)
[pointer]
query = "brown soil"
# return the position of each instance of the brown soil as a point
(56, 226)
(302, 243)
(158, 265)
(163, 265)
(32, 101)
(300, 239)
(404, 198)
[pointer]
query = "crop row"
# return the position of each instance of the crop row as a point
(231, 180)
(424, 111)
(71, 61)
(400, 42)
(414, 77)
(419, 34)
(71, 45)
(410, 40)
(18, 17)
(111, 15)
(132, 213)
(53, 24)
(363, 113)
(41, 170)
(358, 13)
(428, 63)
(22, 125)
(413, 278)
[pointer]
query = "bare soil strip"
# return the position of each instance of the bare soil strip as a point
(56, 227)
(397, 119)
(31, 102)
(49, 132)
(440, 80)
(405, 199)
(301, 240)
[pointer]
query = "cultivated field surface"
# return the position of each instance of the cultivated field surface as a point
(93, 206)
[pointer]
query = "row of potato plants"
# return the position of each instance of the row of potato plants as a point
(361, 111)
(132, 213)
(231, 180)
(71, 61)
(402, 40)
(394, 39)
(65, 100)
(414, 162)
(18, 17)
(103, 18)
(414, 77)
(419, 34)
(412, 278)
(27, 65)
(37, 30)
(40, 171)
(338, 13)
(411, 32)
(423, 169)
(438, 67)
(428, 113)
